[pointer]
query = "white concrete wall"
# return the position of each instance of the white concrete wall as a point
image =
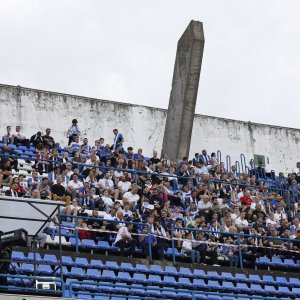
(144, 126)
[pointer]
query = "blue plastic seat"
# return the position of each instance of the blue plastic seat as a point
(29, 153)
(38, 257)
(169, 280)
(154, 279)
(18, 255)
(67, 261)
(199, 283)
(270, 289)
(241, 277)
(124, 276)
(284, 290)
(73, 241)
(108, 274)
(185, 282)
(140, 278)
(242, 287)
(213, 275)
(296, 291)
(13, 267)
(282, 281)
(96, 263)
(253, 278)
(228, 286)
(185, 272)
(227, 276)
(44, 270)
(294, 281)
(27, 268)
(289, 263)
(89, 285)
(171, 270)
(93, 273)
(81, 262)
(276, 262)
(214, 285)
(156, 269)
(77, 273)
(256, 288)
(126, 266)
(112, 265)
(200, 273)
(268, 279)
(67, 224)
(85, 243)
(142, 268)
(263, 261)
(50, 259)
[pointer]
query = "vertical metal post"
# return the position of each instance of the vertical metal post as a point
(60, 247)
(149, 244)
(240, 252)
(219, 156)
(76, 234)
(173, 243)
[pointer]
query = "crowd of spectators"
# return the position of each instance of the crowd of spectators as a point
(163, 194)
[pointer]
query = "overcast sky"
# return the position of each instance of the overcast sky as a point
(125, 51)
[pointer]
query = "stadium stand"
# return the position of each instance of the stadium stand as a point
(135, 227)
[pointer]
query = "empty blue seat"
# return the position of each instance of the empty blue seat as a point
(27, 268)
(126, 266)
(284, 290)
(96, 263)
(112, 265)
(124, 276)
(23, 148)
(200, 273)
(89, 285)
(289, 263)
(140, 278)
(85, 243)
(199, 283)
(142, 268)
(228, 286)
(213, 275)
(77, 273)
(242, 287)
(155, 279)
(67, 224)
(276, 262)
(50, 259)
(156, 269)
(296, 291)
(263, 261)
(241, 277)
(13, 267)
(268, 279)
(18, 255)
(108, 274)
(171, 270)
(74, 242)
(253, 278)
(93, 273)
(185, 272)
(270, 289)
(227, 276)
(44, 270)
(184, 282)
(294, 281)
(81, 262)
(34, 257)
(281, 281)
(67, 261)
(29, 153)
(213, 284)
(256, 288)
(170, 280)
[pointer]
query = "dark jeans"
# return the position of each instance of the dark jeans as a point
(125, 244)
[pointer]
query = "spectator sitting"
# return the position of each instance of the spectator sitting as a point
(19, 137)
(48, 140)
(6, 172)
(8, 137)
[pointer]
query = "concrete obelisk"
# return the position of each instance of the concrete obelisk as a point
(182, 103)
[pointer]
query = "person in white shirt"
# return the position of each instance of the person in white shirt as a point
(74, 185)
(124, 184)
(131, 197)
(107, 201)
(20, 138)
(106, 182)
(241, 222)
(279, 214)
(204, 205)
(187, 248)
(125, 240)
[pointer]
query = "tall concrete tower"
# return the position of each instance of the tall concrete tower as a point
(182, 103)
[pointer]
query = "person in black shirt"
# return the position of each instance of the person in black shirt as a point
(48, 140)
(6, 172)
(154, 160)
(95, 224)
(58, 191)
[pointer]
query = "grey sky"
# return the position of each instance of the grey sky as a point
(125, 51)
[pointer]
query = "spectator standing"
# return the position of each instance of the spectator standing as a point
(73, 131)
